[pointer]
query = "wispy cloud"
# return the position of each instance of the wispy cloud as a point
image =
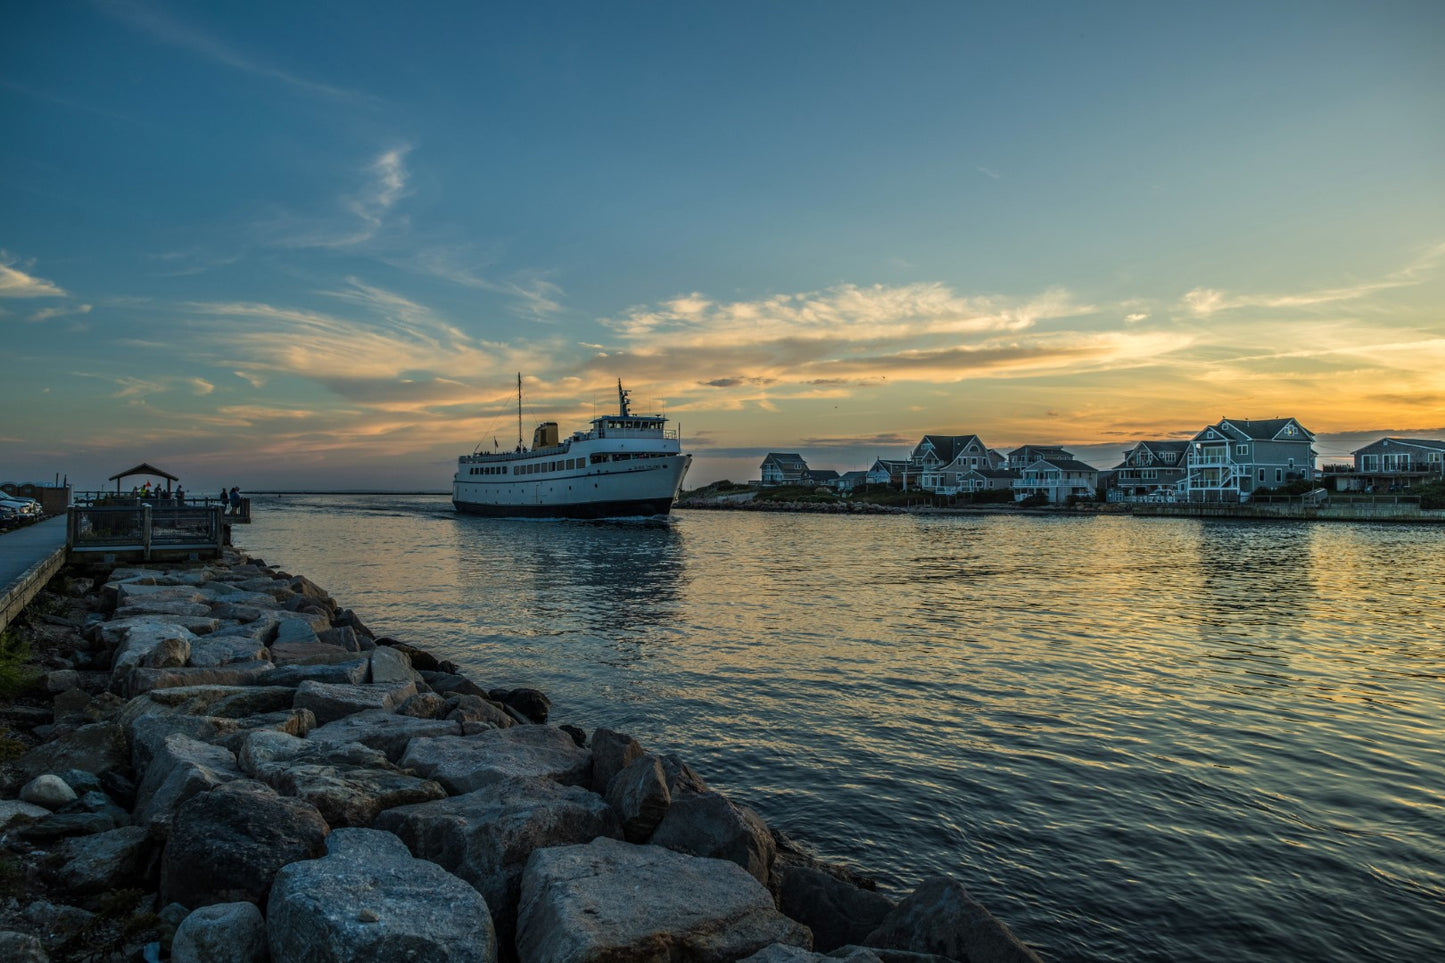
(15, 283)
(537, 296)
(1204, 302)
(382, 184)
(45, 314)
(156, 25)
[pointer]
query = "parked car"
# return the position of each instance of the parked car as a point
(20, 504)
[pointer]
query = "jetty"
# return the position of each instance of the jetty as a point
(215, 760)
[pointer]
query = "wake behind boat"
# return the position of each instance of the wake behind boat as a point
(627, 465)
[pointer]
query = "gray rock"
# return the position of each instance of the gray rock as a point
(142, 679)
(680, 777)
(13, 809)
(163, 607)
(424, 705)
(838, 912)
(384, 730)
(369, 901)
(96, 748)
(310, 651)
(181, 768)
(466, 763)
(352, 671)
(608, 900)
(639, 796)
(612, 752)
(61, 680)
(149, 733)
(485, 837)
(216, 650)
(710, 824)
(116, 859)
(348, 783)
(222, 933)
(473, 708)
(56, 826)
(143, 639)
(390, 665)
(224, 701)
(940, 917)
(346, 637)
(531, 703)
(331, 702)
(47, 790)
(228, 844)
(782, 953)
(22, 948)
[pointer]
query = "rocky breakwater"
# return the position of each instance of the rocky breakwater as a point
(229, 767)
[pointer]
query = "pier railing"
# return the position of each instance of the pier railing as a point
(146, 529)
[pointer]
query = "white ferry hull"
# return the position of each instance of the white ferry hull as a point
(640, 488)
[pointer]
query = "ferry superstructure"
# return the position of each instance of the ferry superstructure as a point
(626, 465)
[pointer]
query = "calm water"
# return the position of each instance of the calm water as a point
(1132, 739)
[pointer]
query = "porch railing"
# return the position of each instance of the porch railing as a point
(146, 529)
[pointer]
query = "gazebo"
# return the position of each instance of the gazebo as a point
(145, 469)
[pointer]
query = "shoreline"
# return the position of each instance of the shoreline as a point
(1288, 513)
(216, 739)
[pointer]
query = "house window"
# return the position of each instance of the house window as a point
(1241, 451)
(1261, 474)
(1278, 476)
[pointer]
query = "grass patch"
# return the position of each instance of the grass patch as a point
(17, 675)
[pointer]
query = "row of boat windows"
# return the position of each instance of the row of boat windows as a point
(561, 464)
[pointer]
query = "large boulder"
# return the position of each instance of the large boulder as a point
(710, 824)
(370, 901)
(940, 917)
(837, 911)
(332, 701)
(141, 679)
(639, 796)
(466, 763)
(117, 859)
(181, 768)
(348, 782)
(384, 730)
(486, 836)
(612, 752)
(152, 642)
(609, 900)
(228, 844)
(96, 748)
(221, 933)
(209, 651)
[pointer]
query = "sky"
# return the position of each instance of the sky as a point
(284, 245)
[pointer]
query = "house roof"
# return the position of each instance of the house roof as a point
(1267, 429)
(785, 457)
(1062, 464)
(1157, 448)
(822, 474)
(948, 447)
(1040, 451)
(1426, 443)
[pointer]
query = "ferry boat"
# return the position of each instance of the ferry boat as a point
(627, 465)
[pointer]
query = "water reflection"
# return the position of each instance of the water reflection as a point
(599, 578)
